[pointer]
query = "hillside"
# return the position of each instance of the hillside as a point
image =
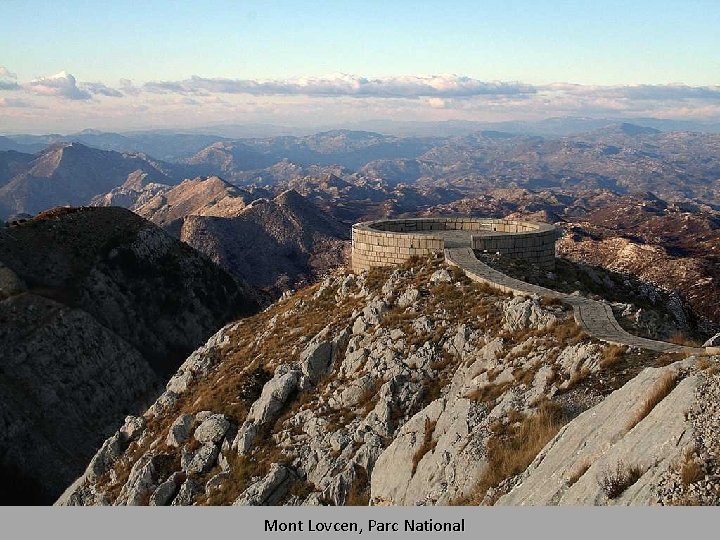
(270, 243)
(398, 386)
(71, 174)
(199, 196)
(91, 327)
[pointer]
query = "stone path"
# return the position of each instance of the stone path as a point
(595, 317)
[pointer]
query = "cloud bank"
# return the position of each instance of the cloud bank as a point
(410, 87)
(339, 98)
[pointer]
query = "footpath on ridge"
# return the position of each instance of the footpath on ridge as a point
(595, 317)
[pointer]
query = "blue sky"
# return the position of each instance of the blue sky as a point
(539, 43)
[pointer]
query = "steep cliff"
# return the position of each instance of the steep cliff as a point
(98, 307)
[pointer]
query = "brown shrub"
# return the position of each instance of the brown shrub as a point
(681, 338)
(489, 393)
(359, 492)
(615, 481)
(691, 470)
(703, 363)
(241, 470)
(548, 300)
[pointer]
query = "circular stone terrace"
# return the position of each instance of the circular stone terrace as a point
(394, 241)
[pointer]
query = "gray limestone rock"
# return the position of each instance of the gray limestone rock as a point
(141, 482)
(440, 276)
(187, 493)
(212, 429)
(316, 358)
(166, 492)
(268, 491)
(374, 311)
(216, 481)
(520, 313)
(201, 460)
(273, 396)
(133, 427)
(408, 298)
(713, 341)
(180, 430)
(571, 467)
(245, 437)
(111, 449)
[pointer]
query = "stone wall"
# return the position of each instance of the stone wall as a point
(373, 247)
(391, 242)
(534, 242)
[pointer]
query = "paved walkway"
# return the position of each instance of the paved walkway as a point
(595, 317)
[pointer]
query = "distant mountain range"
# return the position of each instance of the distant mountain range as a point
(403, 172)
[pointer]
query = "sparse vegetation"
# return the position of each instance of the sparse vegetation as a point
(428, 444)
(359, 492)
(656, 394)
(681, 338)
(614, 481)
(510, 452)
(611, 355)
(578, 472)
(691, 470)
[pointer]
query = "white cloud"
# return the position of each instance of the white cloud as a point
(8, 80)
(339, 98)
(100, 89)
(6, 73)
(60, 85)
(128, 88)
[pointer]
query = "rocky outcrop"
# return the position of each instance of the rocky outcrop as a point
(614, 443)
(91, 326)
(137, 190)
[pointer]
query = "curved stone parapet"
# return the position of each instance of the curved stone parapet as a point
(393, 241)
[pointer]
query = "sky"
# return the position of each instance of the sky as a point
(69, 65)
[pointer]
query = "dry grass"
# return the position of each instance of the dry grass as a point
(611, 355)
(703, 363)
(579, 471)
(428, 444)
(681, 338)
(510, 453)
(241, 470)
(691, 470)
(489, 393)
(615, 481)
(551, 301)
(576, 376)
(686, 500)
(359, 493)
(657, 393)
